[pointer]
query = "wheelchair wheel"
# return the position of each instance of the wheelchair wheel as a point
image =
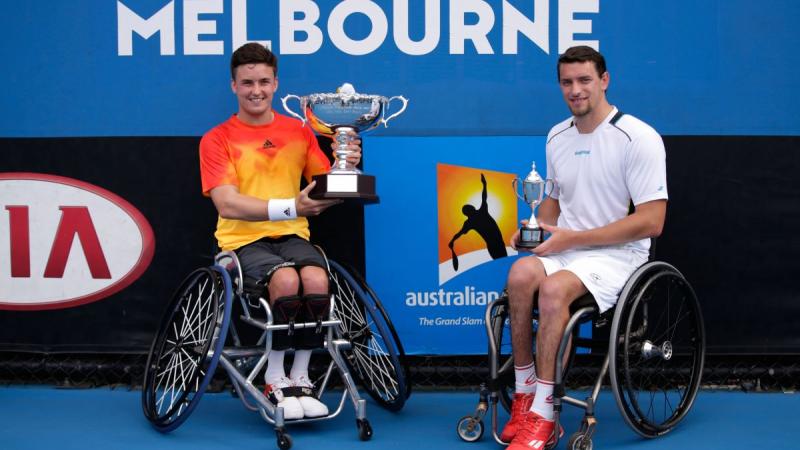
(657, 349)
(501, 333)
(179, 366)
(376, 357)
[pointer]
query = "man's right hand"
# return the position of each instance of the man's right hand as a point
(307, 206)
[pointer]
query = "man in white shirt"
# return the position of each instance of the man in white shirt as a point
(602, 161)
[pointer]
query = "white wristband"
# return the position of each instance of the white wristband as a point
(281, 209)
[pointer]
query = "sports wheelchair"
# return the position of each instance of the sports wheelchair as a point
(656, 352)
(197, 334)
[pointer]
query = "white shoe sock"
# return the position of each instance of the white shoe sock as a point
(543, 400)
(300, 364)
(525, 379)
(275, 370)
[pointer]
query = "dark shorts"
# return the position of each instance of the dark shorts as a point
(260, 259)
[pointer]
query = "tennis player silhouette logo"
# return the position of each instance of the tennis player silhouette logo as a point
(480, 221)
(477, 215)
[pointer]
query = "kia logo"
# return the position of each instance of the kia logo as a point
(64, 242)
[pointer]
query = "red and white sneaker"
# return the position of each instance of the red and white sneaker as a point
(535, 433)
(520, 406)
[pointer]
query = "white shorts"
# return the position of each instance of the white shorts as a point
(603, 271)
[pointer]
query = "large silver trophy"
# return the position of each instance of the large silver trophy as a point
(335, 115)
(534, 188)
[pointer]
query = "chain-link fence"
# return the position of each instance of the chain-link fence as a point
(731, 372)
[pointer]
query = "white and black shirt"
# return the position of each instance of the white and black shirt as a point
(598, 174)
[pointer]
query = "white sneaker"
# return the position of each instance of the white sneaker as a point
(292, 409)
(311, 406)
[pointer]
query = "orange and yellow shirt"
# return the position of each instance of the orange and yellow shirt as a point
(264, 161)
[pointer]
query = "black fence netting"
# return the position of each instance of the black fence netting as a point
(768, 373)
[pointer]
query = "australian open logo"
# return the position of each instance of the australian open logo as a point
(477, 217)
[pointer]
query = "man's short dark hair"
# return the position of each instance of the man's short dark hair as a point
(253, 53)
(579, 54)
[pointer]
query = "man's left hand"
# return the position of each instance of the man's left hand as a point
(560, 239)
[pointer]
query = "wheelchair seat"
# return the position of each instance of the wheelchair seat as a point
(584, 301)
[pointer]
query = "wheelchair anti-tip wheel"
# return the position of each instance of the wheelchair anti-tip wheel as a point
(376, 354)
(178, 366)
(470, 429)
(657, 349)
(284, 440)
(364, 429)
(579, 441)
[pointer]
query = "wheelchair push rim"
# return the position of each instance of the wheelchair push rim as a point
(657, 350)
(185, 352)
(501, 333)
(376, 354)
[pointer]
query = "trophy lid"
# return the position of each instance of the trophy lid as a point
(533, 176)
(346, 88)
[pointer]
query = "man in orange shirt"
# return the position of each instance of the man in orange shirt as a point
(251, 166)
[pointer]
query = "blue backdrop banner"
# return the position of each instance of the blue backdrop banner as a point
(469, 67)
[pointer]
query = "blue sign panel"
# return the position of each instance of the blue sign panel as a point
(429, 188)
(469, 67)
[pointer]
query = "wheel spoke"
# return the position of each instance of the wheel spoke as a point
(372, 354)
(375, 360)
(175, 373)
(656, 389)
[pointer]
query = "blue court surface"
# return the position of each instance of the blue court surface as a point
(52, 418)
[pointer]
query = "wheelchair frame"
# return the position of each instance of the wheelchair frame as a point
(631, 340)
(190, 344)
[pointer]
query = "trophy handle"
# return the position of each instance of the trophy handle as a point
(552, 186)
(405, 103)
(289, 110)
(516, 190)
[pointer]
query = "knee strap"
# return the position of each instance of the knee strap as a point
(285, 311)
(316, 309)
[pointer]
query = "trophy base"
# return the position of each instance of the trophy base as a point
(530, 237)
(346, 186)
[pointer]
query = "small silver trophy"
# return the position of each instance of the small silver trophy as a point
(533, 191)
(335, 115)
